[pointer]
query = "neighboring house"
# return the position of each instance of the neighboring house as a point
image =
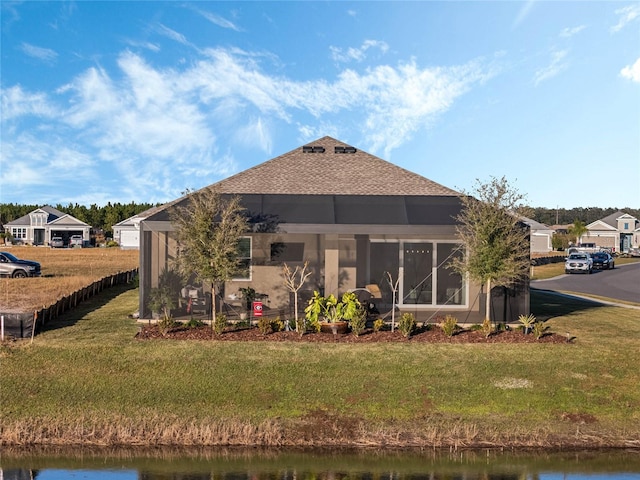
(618, 231)
(354, 217)
(44, 223)
(541, 236)
(127, 232)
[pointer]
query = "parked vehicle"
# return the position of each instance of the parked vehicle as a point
(56, 242)
(11, 266)
(578, 262)
(603, 260)
(76, 240)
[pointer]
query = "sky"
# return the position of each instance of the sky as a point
(138, 101)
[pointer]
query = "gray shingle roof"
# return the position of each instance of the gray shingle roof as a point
(329, 173)
(26, 219)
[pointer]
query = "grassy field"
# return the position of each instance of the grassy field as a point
(64, 270)
(87, 380)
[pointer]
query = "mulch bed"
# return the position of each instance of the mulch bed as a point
(422, 335)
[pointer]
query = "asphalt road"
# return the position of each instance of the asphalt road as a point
(621, 283)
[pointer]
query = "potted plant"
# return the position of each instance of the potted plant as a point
(331, 311)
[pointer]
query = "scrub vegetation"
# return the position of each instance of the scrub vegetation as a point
(88, 380)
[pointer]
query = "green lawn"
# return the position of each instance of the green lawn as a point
(91, 381)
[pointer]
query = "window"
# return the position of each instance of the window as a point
(19, 233)
(626, 225)
(287, 252)
(244, 249)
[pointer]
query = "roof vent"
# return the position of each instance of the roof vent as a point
(344, 150)
(312, 149)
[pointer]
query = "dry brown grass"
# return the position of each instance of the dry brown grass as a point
(311, 431)
(63, 271)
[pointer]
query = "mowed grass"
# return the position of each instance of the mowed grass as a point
(64, 271)
(92, 375)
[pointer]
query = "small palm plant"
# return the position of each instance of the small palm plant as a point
(527, 322)
(539, 330)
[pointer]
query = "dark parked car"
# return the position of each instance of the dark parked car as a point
(603, 260)
(11, 266)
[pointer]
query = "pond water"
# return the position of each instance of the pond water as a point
(234, 464)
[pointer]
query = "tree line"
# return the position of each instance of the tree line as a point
(99, 218)
(562, 216)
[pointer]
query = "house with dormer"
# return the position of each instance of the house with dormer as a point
(619, 232)
(357, 220)
(39, 226)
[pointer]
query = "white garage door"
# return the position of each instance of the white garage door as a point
(130, 239)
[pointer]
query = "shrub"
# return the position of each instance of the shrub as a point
(264, 325)
(406, 324)
(539, 329)
(220, 323)
(277, 325)
(378, 324)
(194, 323)
(358, 322)
(486, 327)
(112, 244)
(268, 325)
(449, 325)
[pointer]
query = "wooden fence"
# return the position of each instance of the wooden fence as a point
(26, 324)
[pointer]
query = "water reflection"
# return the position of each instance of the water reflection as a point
(234, 464)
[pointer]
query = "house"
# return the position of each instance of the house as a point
(619, 231)
(355, 218)
(541, 236)
(127, 232)
(42, 224)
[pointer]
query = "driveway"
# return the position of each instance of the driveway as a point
(621, 283)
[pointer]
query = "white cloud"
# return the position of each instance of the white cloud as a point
(554, 68)
(146, 45)
(254, 134)
(217, 20)
(17, 103)
(627, 15)
(171, 34)
(570, 32)
(522, 13)
(357, 54)
(632, 72)
(45, 54)
(156, 130)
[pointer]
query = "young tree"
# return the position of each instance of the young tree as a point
(577, 230)
(208, 230)
(294, 280)
(496, 242)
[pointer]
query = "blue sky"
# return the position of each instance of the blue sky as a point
(138, 101)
